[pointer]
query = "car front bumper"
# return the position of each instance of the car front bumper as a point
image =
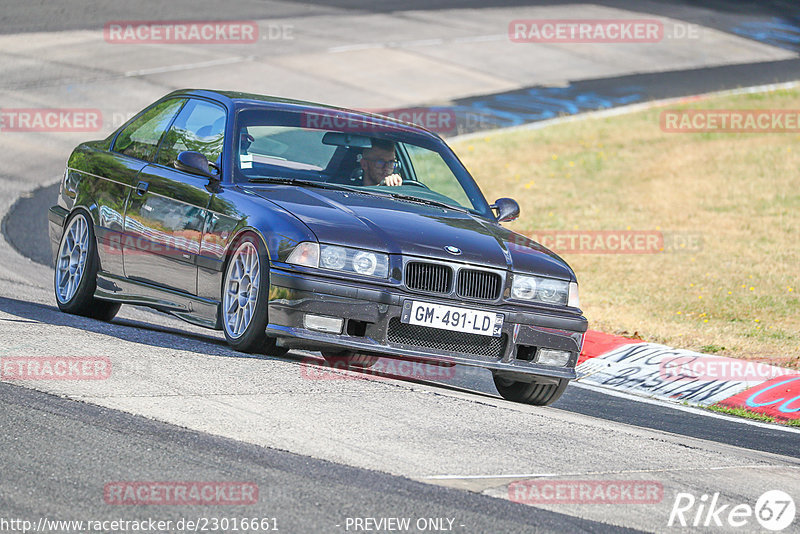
(375, 313)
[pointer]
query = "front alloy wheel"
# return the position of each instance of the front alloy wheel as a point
(244, 298)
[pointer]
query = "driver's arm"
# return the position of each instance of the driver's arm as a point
(392, 180)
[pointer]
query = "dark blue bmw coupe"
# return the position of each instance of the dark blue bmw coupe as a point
(289, 224)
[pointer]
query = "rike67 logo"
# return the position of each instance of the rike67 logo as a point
(774, 510)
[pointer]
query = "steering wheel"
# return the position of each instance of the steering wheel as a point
(416, 183)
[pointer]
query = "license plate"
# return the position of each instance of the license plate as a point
(452, 318)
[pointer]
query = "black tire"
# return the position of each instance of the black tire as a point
(80, 300)
(104, 310)
(252, 338)
(530, 393)
(350, 359)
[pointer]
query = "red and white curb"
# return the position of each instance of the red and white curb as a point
(684, 376)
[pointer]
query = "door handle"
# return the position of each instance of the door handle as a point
(141, 189)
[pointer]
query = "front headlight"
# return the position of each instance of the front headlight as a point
(336, 258)
(366, 263)
(546, 290)
(333, 258)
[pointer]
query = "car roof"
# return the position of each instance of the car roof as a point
(239, 100)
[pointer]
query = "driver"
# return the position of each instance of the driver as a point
(378, 164)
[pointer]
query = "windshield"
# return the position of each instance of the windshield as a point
(377, 158)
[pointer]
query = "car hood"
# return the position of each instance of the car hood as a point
(404, 227)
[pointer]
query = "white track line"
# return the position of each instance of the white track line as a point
(418, 42)
(593, 473)
(188, 66)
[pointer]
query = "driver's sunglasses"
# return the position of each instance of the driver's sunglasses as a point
(383, 162)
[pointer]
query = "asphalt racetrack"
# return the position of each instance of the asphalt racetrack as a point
(181, 406)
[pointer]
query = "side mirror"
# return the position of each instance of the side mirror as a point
(195, 163)
(507, 209)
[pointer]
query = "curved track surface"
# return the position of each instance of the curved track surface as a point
(326, 446)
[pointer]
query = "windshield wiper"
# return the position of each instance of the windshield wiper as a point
(427, 201)
(340, 187)
(303, 183)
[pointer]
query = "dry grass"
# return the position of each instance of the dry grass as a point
(737, 293)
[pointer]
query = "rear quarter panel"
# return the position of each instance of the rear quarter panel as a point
(100, 181)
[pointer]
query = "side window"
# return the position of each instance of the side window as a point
(430, 169)
(140, 138)
(200, 126)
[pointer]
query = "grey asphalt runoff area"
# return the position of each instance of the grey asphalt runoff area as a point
(296, 493)
(324, 447)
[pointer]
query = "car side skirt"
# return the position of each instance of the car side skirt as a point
(192, 309)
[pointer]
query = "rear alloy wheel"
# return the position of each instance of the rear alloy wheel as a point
(244, 299)
(530, 393)
(350, 359)
(75, 278)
